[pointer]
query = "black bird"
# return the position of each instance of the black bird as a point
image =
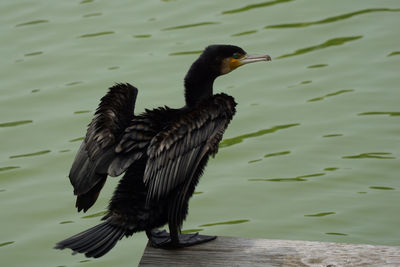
(162, 151)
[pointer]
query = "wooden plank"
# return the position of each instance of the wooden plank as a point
(232, 251)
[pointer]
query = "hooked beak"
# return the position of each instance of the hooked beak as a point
(232, 63)
(253, 58)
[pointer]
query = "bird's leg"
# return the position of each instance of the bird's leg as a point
(174, 232)
(162, 239)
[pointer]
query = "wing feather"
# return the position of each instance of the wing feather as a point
(112, 116)
(175, 152)
(133, 144)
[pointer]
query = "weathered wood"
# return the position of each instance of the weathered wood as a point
(231, 251)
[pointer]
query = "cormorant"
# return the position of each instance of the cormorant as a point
(162, 151)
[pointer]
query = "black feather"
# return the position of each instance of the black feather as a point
(162, 152)
(95, 241)
(89, 170)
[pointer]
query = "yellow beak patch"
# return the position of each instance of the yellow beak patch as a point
(234, 63)
(229, 64)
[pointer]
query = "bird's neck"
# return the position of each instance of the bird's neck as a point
(198, 83)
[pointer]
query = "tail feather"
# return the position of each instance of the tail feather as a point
(100, 242)
(87, 236)
(94, 242)
(105, 247)
(91, 242)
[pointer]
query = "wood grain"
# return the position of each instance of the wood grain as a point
(232, 251)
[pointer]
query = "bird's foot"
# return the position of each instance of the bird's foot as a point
(162, 239)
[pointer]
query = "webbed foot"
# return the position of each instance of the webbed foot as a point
(162, 239)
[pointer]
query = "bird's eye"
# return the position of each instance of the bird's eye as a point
(236, 55)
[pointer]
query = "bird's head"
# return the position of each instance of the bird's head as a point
(215, 60)
(225, 58)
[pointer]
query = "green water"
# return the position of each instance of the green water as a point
(312, 154)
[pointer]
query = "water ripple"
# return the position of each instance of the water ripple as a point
(276, 154)
(329, 95)
(96, 34)
(30, 154)
(382, 188)
(142, 36)
(240, 138)
(336, 234)
(243, 33)
(295, 179)
(6, 243)
(14, 123)
(330, 42)
(7, 168)
(317, 66)
(321, 214)
(82, 111)
(33, 54)
(253, 6)
(332, 19)
(97, 214)
(77, 139)
(65, 222)
(190, 25)
(92, 15)
(73, 83)
(392, 114)
(182, 53)
(371, 155)
(188, 231)
(394, 53)
(331, 169)
(224, 223)
(33, 22)
(332, 135)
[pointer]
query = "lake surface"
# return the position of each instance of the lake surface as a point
(312, 154)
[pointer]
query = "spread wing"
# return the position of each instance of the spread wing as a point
(133, 144)
(90, 167)
(175, 153)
